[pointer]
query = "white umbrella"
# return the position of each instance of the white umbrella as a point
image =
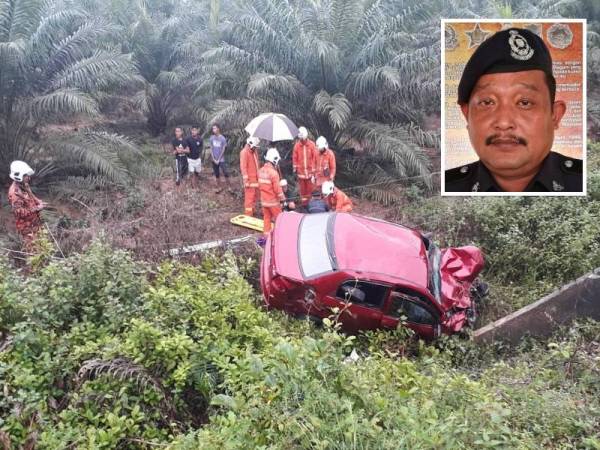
(272, 127)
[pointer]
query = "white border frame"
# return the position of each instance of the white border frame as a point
(443, 112)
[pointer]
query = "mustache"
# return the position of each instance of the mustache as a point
(504, 138)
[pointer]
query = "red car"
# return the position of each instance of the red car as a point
(374, 271)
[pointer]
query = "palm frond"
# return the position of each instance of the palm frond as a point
(76, 46)
(46, 37)
(97, 151)
(19, 18)
(83, 188)
(237, 113)
(102, 69)
(240, 59)
(345, 19)
(62, 103)
(275, 86)
(124, 370)
(393, 144)
(336, 108)
(373, 79)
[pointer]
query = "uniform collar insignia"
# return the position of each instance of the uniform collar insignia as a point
(557, 187)
(475, 187)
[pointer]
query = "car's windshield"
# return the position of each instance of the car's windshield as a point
(313, 244)
(435, 281)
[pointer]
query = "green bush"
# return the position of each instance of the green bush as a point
(100, 351)
(531, 245)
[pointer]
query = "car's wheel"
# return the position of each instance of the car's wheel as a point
(314, 319)
(479, 290)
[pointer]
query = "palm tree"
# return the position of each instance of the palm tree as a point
(55, 63)
(166, 44)
(351, 71)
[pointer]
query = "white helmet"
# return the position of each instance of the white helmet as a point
(18, 169)
(253, 142)
(327, 188)
(273, 156)
(283, 183)
(302, 133)
(321, 143)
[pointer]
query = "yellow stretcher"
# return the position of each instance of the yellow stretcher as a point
(248, 222)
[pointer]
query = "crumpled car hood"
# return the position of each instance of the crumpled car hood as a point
(459, 266)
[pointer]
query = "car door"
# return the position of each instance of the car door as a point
(361, 303)
(419, 316)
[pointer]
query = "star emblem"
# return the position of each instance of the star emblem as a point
(477, 35)
(557, 186)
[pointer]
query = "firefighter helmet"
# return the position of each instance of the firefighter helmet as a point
(253, 142)
(18, 170)
(327, 188)
(321, 143)
(273, 156)
(302, 133)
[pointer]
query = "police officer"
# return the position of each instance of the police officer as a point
(507, 95)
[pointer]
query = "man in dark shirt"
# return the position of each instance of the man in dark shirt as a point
(180, 151)
(194, 158)
(317, 204)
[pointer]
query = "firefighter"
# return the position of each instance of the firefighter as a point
(304, 160)
(26, 206)
(249, 169)
(271, 194)
(325, 162)
(336, 199)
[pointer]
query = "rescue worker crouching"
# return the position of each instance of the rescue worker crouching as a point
(249, 168)
(288, 205)
(335, 198)
(271, 193)
(26, 207)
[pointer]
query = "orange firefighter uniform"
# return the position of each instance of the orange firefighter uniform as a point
(304, 160)
(271, 194)
(25, 207)
(325, 167)
(249, 168)
(339, 202)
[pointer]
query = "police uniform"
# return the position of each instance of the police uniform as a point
(512, 50)
(558, 173)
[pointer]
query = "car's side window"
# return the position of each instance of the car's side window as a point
(362, 293)
(408, 306)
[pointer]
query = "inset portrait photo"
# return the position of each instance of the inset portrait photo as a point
(513, 107)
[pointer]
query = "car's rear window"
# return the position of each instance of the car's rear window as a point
(313, 244)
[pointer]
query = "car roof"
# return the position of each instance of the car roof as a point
(309, 246)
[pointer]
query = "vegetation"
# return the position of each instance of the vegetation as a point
(99, 351)
(102, 350)
(55, 65)
(362, 73)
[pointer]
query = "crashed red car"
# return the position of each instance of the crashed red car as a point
(374, 272)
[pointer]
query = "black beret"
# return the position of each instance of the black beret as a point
(511, 50)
